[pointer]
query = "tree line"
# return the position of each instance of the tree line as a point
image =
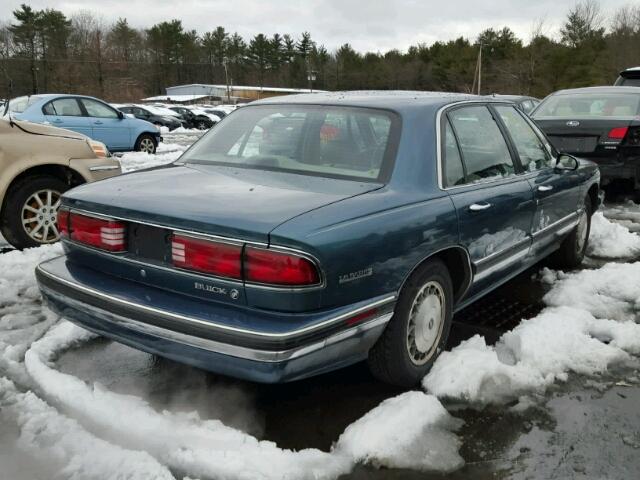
(47, 51)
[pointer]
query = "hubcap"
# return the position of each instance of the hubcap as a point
(39, 216)
(146, 145)
(426, 320)
(581, 234)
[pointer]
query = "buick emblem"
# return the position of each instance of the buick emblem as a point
(573, 123)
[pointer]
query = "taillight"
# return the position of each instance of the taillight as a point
(102, 233)
(618, 133)
(63, 222)
(633, 137)
(278, 268)
(206, 256)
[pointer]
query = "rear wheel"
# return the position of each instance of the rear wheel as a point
(573, 248)
(202, 125)
(146, 143)
(29, 216)
(418, 330)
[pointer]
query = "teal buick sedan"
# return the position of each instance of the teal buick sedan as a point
(309, 232)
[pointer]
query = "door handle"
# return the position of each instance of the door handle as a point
(57, 120)
(97, 122)
(545, 188)
(478, 207)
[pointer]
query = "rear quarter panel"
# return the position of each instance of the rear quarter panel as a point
(369, 244)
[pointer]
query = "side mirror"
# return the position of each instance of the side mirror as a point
(566, 162)
(120, 115)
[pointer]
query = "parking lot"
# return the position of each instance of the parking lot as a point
(566, 422)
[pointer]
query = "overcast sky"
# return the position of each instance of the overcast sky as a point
(366, 24)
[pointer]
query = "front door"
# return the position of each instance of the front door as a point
(493, 201)
(107, 126)
(555, 192)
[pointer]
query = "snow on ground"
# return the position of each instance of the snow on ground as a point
(611, 240)
(166, 153)
(588, 326)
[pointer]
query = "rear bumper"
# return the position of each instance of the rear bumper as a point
(208, 335)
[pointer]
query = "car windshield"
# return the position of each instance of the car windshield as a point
(327, 141)
(585, 105)
(20, 104)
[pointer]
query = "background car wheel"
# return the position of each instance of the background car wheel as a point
(29, 216)
(573, 248)
(202, 125)
(418, 330)
(146, 143)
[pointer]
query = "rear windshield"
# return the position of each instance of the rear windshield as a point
(629, 81)
(20, 104)
(586, 105)
(327, 141)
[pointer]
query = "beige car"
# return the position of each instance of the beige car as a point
(37, 164)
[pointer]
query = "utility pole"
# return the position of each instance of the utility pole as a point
(226, 77)
(480, 70)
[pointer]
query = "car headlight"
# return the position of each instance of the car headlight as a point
(99, 148)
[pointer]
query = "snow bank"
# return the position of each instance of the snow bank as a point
(131, 161)
(412, 430)
(22, 318)
(611, 240)
(612, 291)
(588, 326)
(73, 453)
(199, 447)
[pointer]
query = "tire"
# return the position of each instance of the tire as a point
(573, 248)
(403, 355)
(202, 125)
(25, 223)
(146, 143)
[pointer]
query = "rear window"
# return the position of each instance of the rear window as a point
(629, 81)
(327, 141)
(20, 104)
(587, 105)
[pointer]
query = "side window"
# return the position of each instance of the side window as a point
(66, 107)
(48, 109)
(484, 150)
(453, 170)
(97, 109)
(532, 152)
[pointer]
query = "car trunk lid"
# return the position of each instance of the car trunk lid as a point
(224, 201)
(593, 138)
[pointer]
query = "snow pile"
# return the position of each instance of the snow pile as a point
(611, 239)
(22, 318)
(588, 326)
(612, 291)
(73, 452)
(412, 430)
(166, 153)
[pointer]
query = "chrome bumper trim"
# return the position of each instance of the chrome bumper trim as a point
(210, 325)
(220, 347)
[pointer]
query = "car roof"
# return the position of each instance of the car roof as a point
(386, 99)
(513, 98)
(630, 69)
(599, 90)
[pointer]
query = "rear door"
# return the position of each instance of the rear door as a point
(556, 193)
(494, 203)
(107, 126)
(66, 112)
